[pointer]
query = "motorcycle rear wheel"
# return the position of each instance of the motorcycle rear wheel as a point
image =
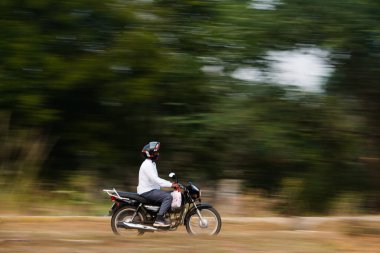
(210, 225)
(125, 214)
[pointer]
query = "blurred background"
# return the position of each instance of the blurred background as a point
(271, 105)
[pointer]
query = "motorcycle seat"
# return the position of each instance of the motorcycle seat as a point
(135, 196)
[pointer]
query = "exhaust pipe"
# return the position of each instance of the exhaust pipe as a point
(138, 226)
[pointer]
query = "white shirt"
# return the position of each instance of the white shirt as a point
(148, 178)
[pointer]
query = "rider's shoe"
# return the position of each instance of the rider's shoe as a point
(160, 222)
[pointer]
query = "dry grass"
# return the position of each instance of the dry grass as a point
(82, 235)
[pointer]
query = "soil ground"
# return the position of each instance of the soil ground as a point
(94, 235)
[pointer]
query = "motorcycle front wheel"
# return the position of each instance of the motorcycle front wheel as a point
(125, 214)
(210, 224)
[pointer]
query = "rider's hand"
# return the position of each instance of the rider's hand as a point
(175, 186)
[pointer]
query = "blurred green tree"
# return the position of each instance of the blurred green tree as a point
(100, 79)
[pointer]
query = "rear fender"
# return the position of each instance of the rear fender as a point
(117, 205)
(194, 210)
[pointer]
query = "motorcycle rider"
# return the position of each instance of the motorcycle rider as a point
(150, 183)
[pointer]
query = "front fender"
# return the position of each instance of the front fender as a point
(193, 210)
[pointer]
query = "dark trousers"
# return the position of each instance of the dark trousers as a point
(159, 197)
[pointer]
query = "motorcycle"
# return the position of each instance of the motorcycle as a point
(133, 214)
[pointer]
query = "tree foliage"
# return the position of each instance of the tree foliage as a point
(99, 79)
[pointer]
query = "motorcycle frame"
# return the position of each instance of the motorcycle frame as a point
(186, 211)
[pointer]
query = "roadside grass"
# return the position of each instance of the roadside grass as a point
(53, 203)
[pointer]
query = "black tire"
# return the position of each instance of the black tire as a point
(123, 214)
(211, 227)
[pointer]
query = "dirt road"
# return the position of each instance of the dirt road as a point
(279, 235)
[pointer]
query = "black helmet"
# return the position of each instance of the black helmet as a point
(150, 150)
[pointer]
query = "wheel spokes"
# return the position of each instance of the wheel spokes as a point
(208, 225)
